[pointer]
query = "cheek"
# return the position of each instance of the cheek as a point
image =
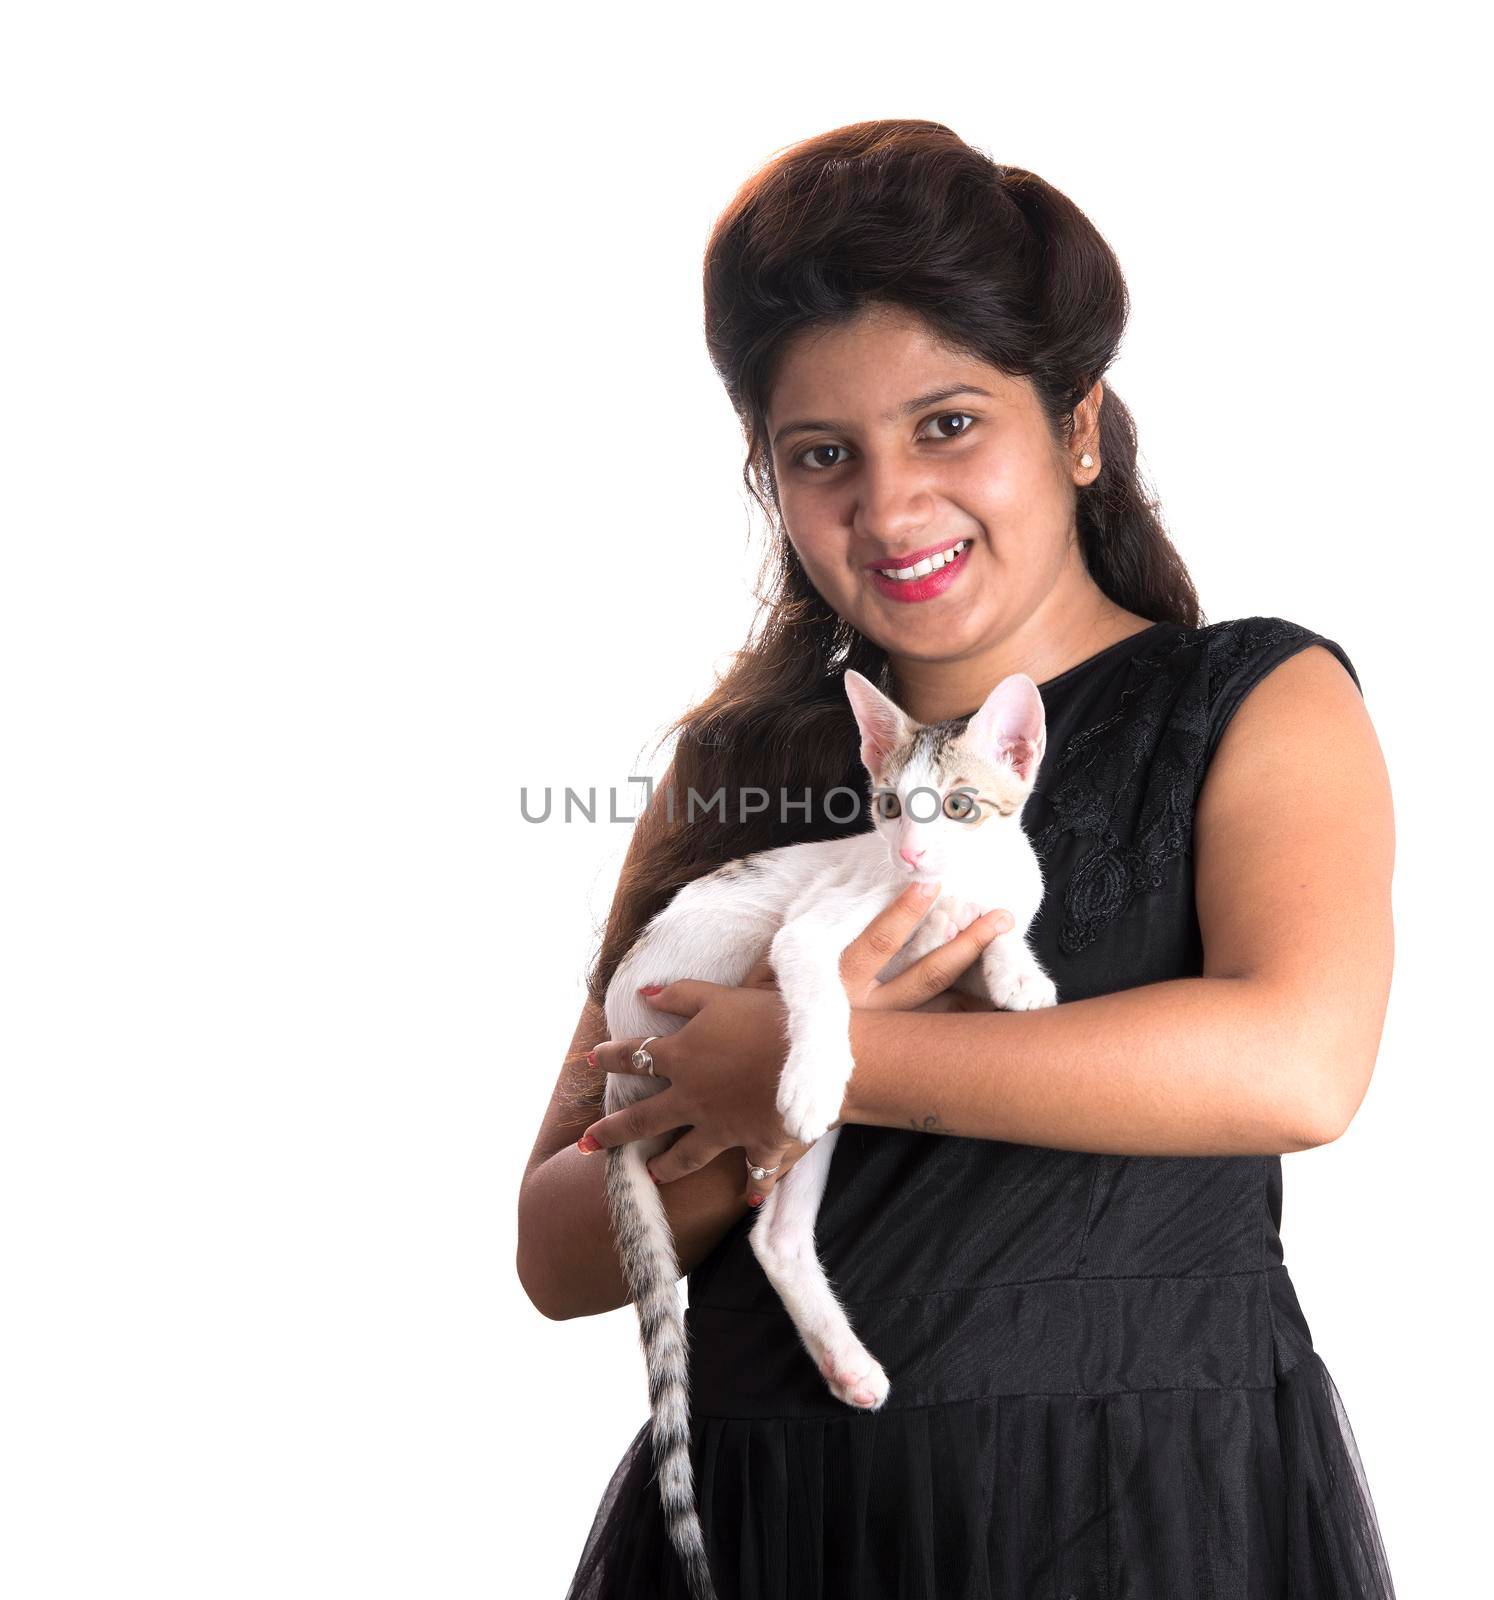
(992, 477)
(1016, 499)
(819, 541)
(817, 517)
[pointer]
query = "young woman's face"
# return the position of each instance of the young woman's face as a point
(887, 453)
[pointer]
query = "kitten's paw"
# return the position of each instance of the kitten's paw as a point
(1028, 990)
(945, 921)
(948, 919)
(808, 1103)
(854, 1376)
(941, 926)
(935, 930)
(812, 1085)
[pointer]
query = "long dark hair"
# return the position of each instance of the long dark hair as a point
(997, 263)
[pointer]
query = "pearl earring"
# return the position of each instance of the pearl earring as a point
(1086, 460)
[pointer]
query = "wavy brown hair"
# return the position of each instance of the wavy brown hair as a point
(997, 263)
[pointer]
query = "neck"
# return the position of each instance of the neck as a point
(1045, 644)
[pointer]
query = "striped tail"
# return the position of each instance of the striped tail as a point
(650, 1267)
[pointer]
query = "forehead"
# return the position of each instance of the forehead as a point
(864, 372)
(936, 757)
(929, 755)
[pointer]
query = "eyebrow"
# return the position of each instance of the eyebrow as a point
(932, 398)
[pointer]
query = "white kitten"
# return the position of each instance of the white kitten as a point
(947, 802)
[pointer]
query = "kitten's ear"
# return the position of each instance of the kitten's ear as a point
(1011, 727)
(883, 726)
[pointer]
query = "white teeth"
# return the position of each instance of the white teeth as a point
(922, 568)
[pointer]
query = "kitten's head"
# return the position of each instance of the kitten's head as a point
(938, 789)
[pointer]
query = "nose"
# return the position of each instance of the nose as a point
(911, 856)
(895, 508)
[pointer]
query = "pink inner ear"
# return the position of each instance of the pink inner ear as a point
(880, 721)
(1021, 755)
(1010, 727)
(875, 750)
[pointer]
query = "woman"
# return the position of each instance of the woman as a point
(1057, 1229)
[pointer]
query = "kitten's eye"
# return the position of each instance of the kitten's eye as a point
(888, 805)
(959, 805)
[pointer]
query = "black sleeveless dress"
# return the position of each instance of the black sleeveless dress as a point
(1103, 1387)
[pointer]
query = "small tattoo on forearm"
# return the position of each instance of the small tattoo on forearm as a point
(929, 1124)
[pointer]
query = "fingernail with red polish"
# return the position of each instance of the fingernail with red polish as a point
(587, 1144)
(591, 1057)
(651, 988)
(756, 1199)
(654, 1175)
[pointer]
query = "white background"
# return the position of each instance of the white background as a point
(362, 462)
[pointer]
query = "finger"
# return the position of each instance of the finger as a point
(956, 1000)
(762, 976)
(936, 971)
(682, 998)
(689, 1153)
(648, 1118)
(758, 1189)
(887, 932)
(616, 1055)
(949, 1000)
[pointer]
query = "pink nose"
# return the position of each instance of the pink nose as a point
(912, 857)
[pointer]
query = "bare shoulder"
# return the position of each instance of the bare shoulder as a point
(1305, 725)
(1294, 845)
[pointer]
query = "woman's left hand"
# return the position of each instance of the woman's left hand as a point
(721, 1070)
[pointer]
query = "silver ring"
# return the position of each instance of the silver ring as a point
(642, 1059)
(757, 1174)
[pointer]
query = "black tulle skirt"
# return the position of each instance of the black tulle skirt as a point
(1226, 1492)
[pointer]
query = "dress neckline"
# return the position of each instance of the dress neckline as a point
(1100, 655)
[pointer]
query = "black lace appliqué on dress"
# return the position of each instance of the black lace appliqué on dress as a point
(1129, 782)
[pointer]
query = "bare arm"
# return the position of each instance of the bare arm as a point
(567, 1260)
(1271, 1050)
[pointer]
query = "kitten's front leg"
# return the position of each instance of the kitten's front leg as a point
(812, 1086)
(1014, 978)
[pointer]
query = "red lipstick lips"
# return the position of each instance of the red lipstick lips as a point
(914, 589)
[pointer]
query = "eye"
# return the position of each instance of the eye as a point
(959, 805)
(945, 417)
(802, 460)
(888, 805)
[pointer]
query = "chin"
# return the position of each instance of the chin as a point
(932, 633)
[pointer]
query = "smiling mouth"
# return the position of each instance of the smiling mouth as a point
(922, 568)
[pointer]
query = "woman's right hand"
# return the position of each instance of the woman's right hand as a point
(926, 985)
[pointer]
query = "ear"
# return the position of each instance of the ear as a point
(883, 726)
(1011, 727)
